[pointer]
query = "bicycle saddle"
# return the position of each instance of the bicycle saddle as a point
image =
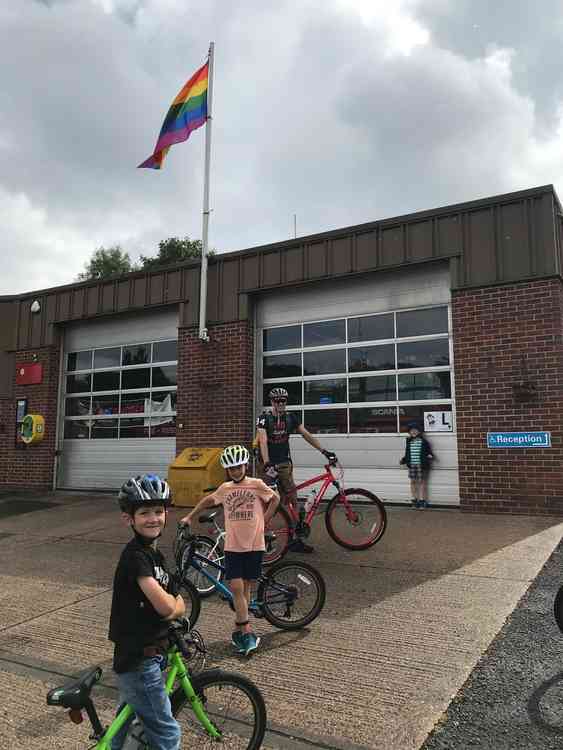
(207, 517)
(76, 692)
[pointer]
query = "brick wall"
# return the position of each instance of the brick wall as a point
(31, 466)
(215, 390)
(503, 335)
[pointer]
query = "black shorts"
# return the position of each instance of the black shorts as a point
(245, 565)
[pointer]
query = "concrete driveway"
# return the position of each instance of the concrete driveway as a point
(403, 626)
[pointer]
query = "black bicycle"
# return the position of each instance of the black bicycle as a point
(289, 595)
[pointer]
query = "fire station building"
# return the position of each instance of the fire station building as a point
(452, 317)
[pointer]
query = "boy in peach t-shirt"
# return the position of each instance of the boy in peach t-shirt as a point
(248, 505)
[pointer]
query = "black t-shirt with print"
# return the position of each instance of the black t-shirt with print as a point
(278, 430)
(134, 622)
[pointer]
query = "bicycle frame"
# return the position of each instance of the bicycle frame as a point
(195, 563)
(255, 606)
(177, 671)
(327, 479)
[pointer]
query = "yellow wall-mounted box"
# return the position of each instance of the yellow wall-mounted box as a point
(32, 429)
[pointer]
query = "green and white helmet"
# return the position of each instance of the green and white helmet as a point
(234, 455)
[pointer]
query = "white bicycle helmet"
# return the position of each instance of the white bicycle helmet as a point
(278, 393)
(234, 455)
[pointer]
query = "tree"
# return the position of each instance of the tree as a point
(107, 261)
(173, 250)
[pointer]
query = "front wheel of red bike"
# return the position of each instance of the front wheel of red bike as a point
(356, 519)
(280, 525)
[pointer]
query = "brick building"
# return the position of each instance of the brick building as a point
(452, 316)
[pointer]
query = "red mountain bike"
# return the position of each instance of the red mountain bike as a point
(354, 518)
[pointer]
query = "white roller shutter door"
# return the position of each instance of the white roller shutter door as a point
(106, 464)
(370, 461)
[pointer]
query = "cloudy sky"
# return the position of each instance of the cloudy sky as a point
(339, 111)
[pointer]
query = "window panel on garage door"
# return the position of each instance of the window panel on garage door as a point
(348, 365)
(143, 399)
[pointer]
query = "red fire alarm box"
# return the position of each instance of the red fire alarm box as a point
(29, 373)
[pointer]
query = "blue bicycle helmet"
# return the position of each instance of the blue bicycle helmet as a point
(139, 491)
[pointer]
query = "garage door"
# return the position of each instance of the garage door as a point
(360, 359)
(118, 400)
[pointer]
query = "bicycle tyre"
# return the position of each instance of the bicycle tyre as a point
(280, 525)
(270, 593)
(208, 685)
(204, 545)
(558, 608)
(192, 599)
(369, 501)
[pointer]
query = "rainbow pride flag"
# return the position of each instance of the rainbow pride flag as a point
(187, 113)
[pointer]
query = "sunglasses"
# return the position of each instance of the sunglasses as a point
(279, 400)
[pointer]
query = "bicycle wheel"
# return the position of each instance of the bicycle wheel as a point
(558, 608)
(206, 547)
(192, 600)
(232, 702)
(292, 595)
(280, 525)
(356, 520)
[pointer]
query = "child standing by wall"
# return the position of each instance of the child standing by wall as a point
(418, 457)
(248, 505)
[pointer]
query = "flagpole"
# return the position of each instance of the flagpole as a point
(203, 334)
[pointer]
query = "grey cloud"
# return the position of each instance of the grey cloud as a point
(312, 115)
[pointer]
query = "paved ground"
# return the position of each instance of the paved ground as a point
(404, 625)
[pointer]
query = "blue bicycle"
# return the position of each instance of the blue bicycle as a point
(289, 595)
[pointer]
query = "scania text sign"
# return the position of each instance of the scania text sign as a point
(518, 439)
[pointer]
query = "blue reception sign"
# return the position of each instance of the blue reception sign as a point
(518, 439)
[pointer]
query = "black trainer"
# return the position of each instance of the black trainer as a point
(298, 545)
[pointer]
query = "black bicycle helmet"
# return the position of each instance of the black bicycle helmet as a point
(139, 491)
(278, 393)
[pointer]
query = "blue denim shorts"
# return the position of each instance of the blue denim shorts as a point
(245, 565)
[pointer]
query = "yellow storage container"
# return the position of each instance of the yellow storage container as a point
(193, 472)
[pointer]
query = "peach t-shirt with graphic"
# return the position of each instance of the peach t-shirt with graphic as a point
(244, 513)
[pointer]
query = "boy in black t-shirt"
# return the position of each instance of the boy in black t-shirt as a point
(144, 600)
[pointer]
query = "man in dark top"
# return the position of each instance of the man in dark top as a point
(144, 600)
(275, 462)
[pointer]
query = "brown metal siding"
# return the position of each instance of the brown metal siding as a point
(229, 290)
(271, 268)
(506, 238)
(449, 239)
(341, 255)
(480, 236)
(366, 250)
(317, 259)
(293, 266)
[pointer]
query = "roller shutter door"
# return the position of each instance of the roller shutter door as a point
(118, 399)
(370, 460)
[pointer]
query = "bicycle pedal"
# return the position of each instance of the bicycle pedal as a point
(255, 610)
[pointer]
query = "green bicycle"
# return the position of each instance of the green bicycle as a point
(211, 706)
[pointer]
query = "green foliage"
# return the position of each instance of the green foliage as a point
(111, 261)
(107, 261)
(173, 250)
